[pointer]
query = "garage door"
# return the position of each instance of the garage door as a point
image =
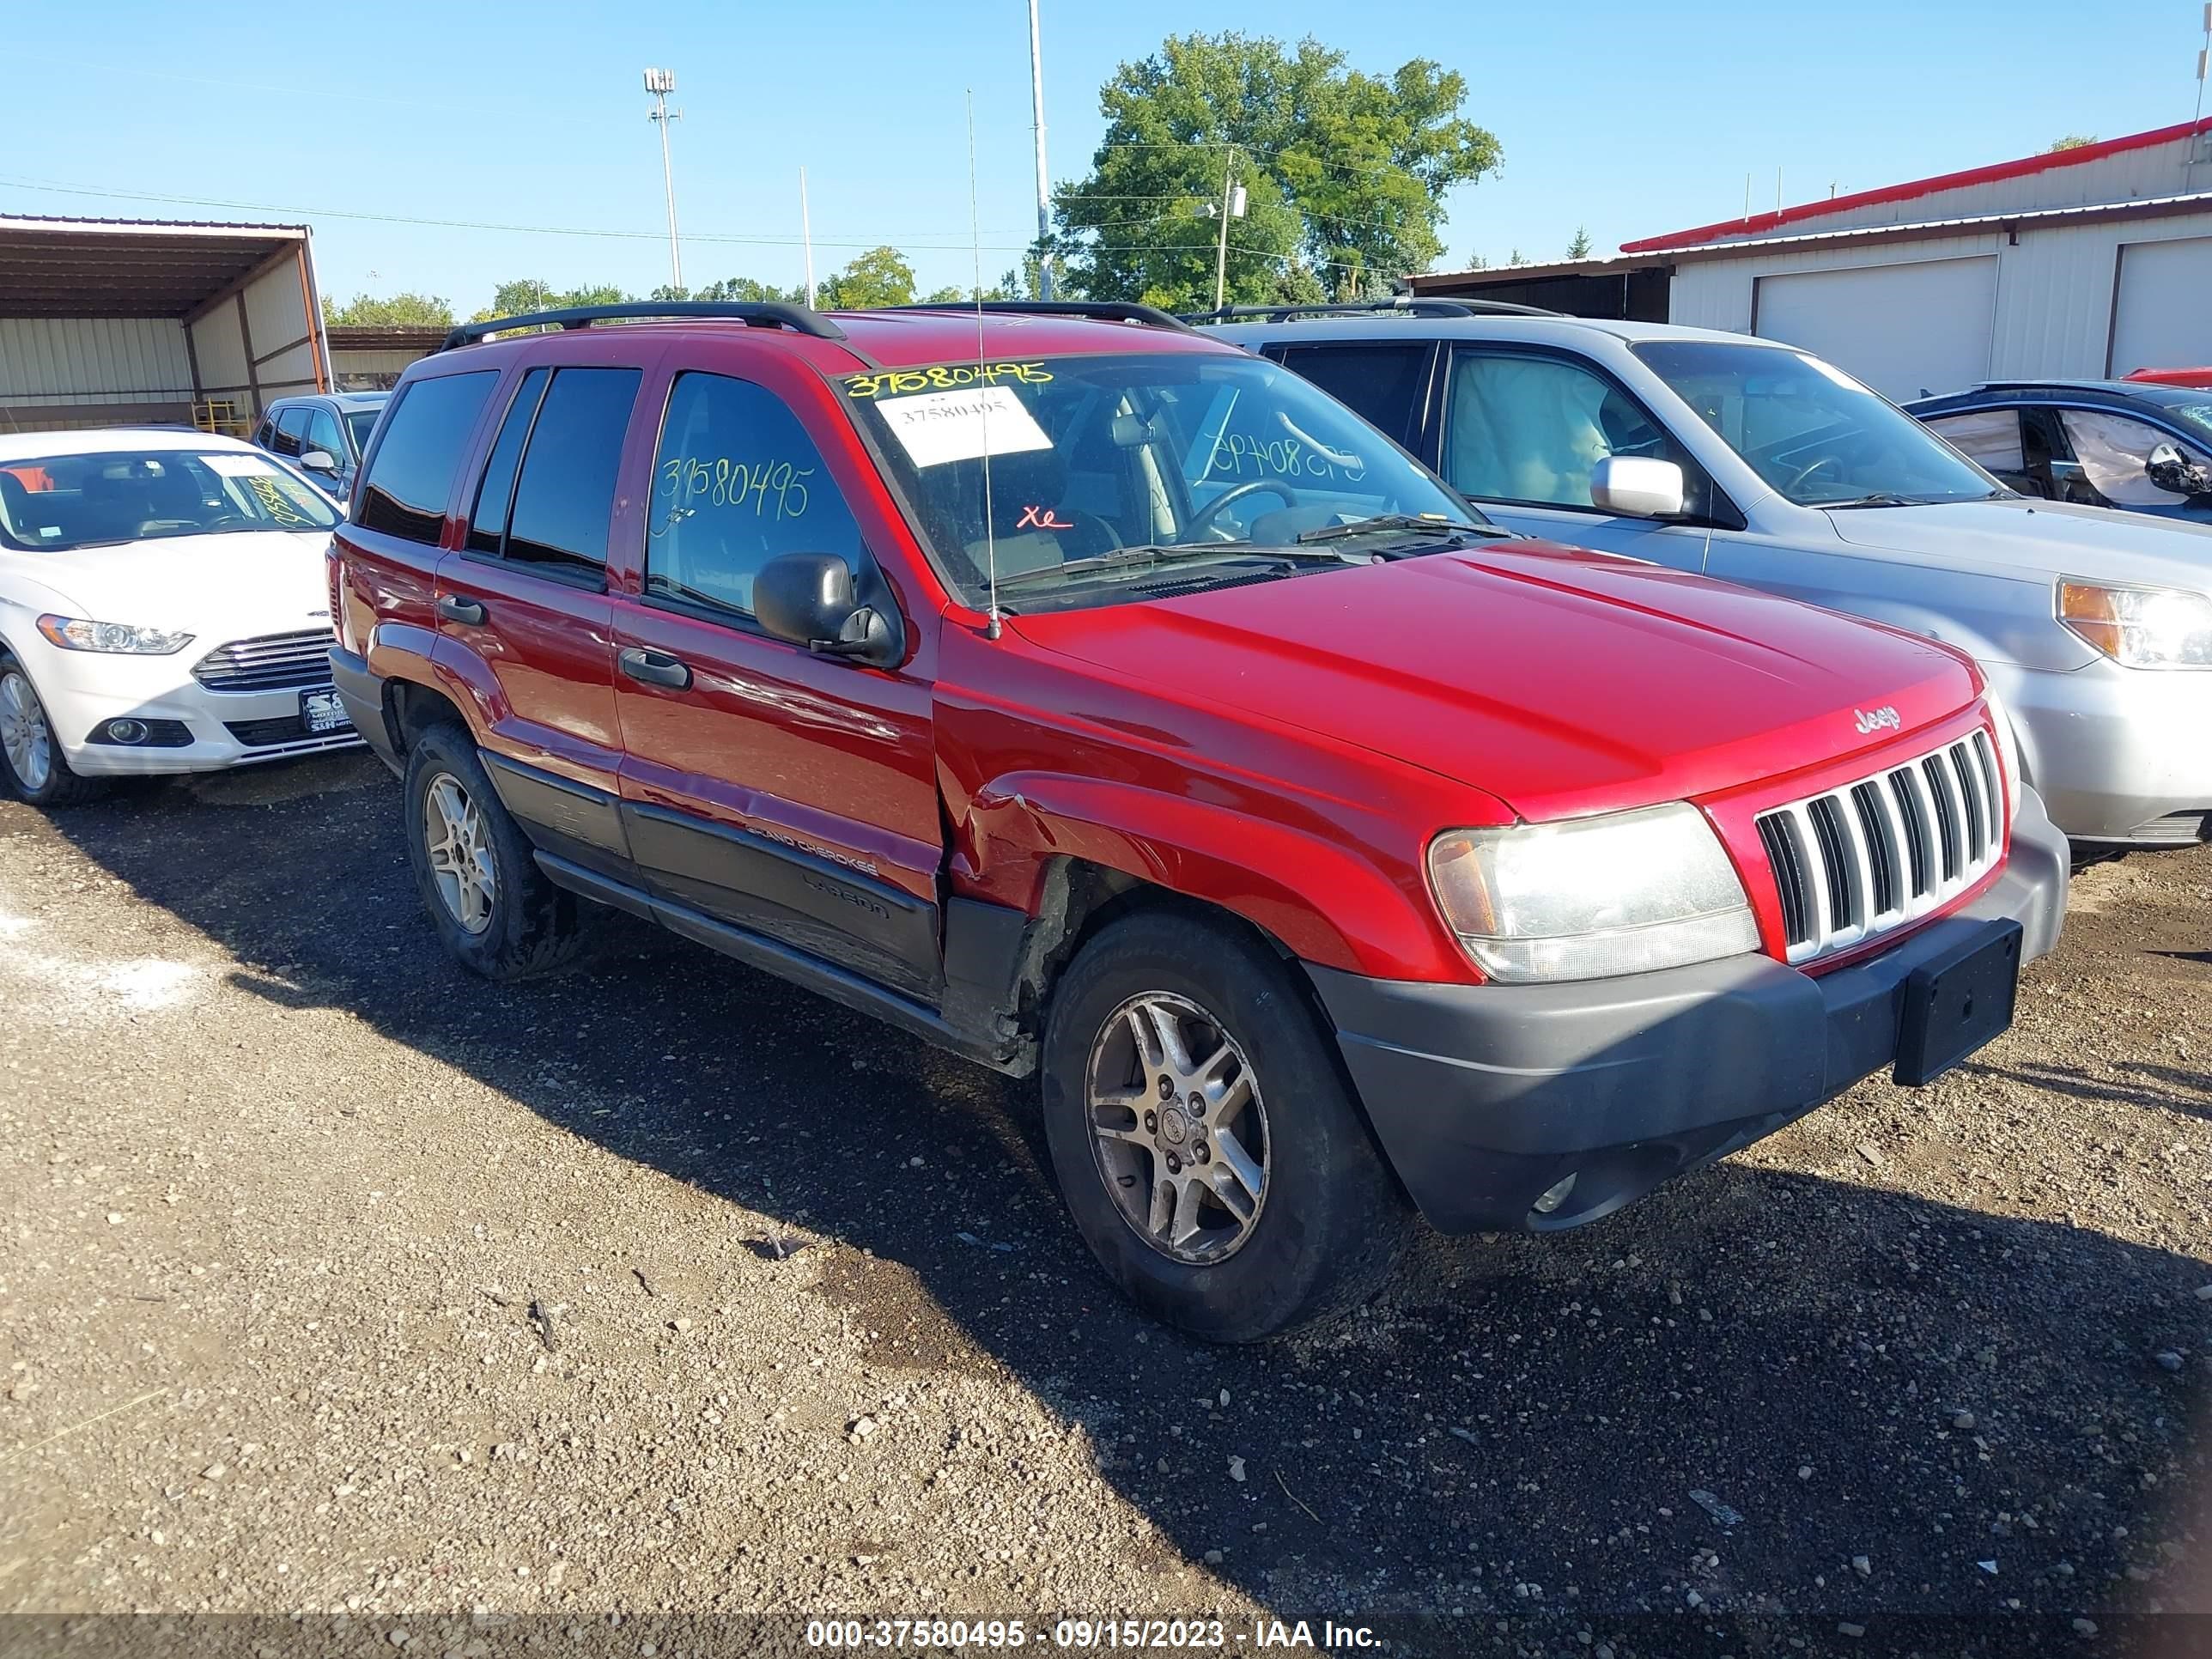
(2160, 318)
(1906, 329)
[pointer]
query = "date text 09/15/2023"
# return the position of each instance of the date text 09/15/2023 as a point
(1088, 1634)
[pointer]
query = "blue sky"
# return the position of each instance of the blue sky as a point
(1628, 118)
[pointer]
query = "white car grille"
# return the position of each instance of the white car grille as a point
(275, 662)
(1859, 860)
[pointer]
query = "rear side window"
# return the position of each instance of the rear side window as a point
(736, 482)
(564, 493)
(1385, 383)
(411, 475)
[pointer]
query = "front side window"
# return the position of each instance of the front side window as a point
(2115, 456)
(1815, 435)
(410, 477)
(1987, 437)
(1532, 429)
(1383, 381)
(62, 502)
(323, 434)
(291, 429)
(736, 483)
(1093, 480)
(564, 493)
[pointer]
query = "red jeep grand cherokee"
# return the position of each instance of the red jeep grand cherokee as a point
(1327, 852)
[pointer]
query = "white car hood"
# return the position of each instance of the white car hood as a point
(217, 588)
(2037, 538)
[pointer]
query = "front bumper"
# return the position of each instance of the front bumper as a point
(227, 728)
(2119, 754)
(1485, 1096)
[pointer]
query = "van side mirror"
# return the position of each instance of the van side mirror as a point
(2169, 469)
(1638, 487)
(813, 600)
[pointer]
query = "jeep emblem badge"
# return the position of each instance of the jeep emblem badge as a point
(1876, 720)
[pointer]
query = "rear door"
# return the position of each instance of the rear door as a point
(789, 794)
(1521, 431)
(524, 619)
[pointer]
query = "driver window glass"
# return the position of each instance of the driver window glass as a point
(1382, 383)
(323, 434)
(1988, 436)
(2113, 451)
(291, 427)
(1531, 429)
(736, 483)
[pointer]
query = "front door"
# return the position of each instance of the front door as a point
(1522, 432)
(788, 794)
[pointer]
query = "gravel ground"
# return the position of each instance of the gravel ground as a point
(338, 1281)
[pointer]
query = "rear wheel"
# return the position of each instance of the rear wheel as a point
(30, 754)
(494, 910)
(1204, 1140)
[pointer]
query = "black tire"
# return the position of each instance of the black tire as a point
(532, 927)
(1330, 1221)
(62, 787)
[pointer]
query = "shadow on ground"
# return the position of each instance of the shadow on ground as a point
(1781, 1369)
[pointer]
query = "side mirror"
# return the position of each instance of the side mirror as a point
(1638, 487)
(2169, 469)
(319, 460)
(811, 600)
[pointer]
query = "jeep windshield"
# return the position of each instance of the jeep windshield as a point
(1818, 436)
(1100, 479)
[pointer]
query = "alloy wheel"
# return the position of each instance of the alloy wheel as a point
(1179, 1128)
(457, 836)
(24, 734)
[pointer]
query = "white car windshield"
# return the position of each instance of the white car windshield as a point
(58, 503)
(1818, 436)
(1114, 478)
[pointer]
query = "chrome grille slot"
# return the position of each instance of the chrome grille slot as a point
(1857, 861)
(274, 662)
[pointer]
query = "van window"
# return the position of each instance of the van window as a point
(410, 477)
(1384, 381)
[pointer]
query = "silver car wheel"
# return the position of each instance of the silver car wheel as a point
(458, 839)
(1179, 1128)
(24, 734)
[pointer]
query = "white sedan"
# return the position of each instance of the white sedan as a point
(164, 607)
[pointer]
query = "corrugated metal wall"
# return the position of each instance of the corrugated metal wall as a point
(72, 366)
(2054, 297)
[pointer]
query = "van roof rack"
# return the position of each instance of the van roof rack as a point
(1404, 305)
(753, 313)
(1104, 310)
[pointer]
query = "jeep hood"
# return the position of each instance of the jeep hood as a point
(2040, 540)
(1560, 681)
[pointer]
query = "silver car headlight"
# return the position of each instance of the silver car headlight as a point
(120, 638)
(1588, 898)
(2139, 627)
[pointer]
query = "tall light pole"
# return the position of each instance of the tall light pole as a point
(1043, 182)
(660, 83)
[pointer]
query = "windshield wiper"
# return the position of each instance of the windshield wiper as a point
(1127, 557)
(1337, 532)
(1879, 498)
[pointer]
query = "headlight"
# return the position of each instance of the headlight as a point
(120, 638)
(2141, 627)
(2008, 749)
(1592, 897)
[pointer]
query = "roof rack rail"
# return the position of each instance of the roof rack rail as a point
(1104, 310)
(1400, 306)
(755, 313)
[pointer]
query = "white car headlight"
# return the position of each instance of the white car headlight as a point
(1592, 897)
(118, 638)
(2139, 627)
(2008, 749)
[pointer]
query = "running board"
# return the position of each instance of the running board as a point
(808, 972)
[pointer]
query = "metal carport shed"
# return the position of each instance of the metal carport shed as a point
(107, 322)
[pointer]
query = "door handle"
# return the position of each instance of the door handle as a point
(460, 610)
(655, 668)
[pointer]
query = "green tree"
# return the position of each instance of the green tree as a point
(2072, 141)
(881, 276)
(526, 294)
(1344, 173)
(408, 310)
(1580, 247)
(1516, 257)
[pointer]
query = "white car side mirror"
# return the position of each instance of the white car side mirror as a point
(1638, 487)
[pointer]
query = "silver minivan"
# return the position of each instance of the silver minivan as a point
(1758, 463)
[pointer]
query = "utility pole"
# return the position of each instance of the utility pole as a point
(1044, 180)
(660, 83)
(1232, 207)
(806, 236)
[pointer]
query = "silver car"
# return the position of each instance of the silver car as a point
(1758, 463)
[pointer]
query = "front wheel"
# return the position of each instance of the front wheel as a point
(1206, 1145)
(494, 910)
(30, 754)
